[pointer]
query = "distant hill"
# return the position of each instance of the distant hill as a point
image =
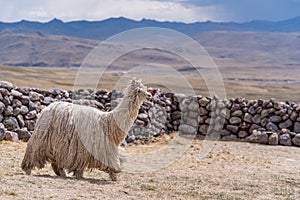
(43, 50)
(100, 30)
(227, 48)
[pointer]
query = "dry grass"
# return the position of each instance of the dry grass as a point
(251, 82)
(232, 170)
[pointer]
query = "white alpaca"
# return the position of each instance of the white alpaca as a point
(75, 137)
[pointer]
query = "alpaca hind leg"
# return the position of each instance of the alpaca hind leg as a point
(57, 170)
(78, 174)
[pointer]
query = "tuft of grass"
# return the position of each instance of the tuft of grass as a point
(146, 187)
(11, 193)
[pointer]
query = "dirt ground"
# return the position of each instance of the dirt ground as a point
(232, 170)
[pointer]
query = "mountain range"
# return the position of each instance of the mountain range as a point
(100, 30)
(66, 44)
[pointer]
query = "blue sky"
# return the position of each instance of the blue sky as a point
(165, 10)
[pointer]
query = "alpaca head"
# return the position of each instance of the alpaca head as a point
(139, 90)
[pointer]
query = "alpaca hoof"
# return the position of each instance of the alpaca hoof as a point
(58, 171)
(28, 171)
(78, 175)
(113, 176)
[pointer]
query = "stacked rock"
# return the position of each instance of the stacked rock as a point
(152, 118)
(19, 106)
(189, 107)
(261, 121)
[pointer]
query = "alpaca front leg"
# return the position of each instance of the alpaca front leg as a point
(57, 170)
(113, 176)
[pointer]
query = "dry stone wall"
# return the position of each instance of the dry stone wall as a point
(261, 121)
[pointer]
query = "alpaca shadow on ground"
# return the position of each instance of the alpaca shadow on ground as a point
(90, 180)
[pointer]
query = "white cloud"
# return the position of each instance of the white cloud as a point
(67, 10)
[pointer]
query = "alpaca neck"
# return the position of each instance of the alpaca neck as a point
(126, 112)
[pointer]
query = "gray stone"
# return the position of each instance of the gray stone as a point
(285, 117)
(4, 92)
(16, 111)
(24, 110)
(36, 105)
(202, 111)
(248, 118)
(130, 138)
(297, 127)
(225, 132)
(252, 110)
(6, 100)
(271, 127)
(15, 93)
(143, 116)
(220, 105)
(203, 101)
(11, 136)
(264, 113)
(21, 120)
(31, 115)
(203, 129)
(187, 129)
(237, 113)
(213, 135)
(256, 119)
(176, 115)
(209, 121)
(48, 100)
(34, 96)
(16, 103)
(253, 127)
(296, 140)
(275, 119)
(25, 100)
(285, 139)
(6, 85)
(1, 117)
(230, 137)
(242, 134)
(286, 124)
(278, 105)
(11, 123)
(2, 133)
(264, 122)
(30, 124)
(258, 137)
(193, 122)
(218, 126)
(235, 120)
(233, 129)
(225, 113)
(235, 107)
(193, 106)
(294, 116)
(8, 111)
(23, 134)
(193, 114)
(179, 98)
(273, 139)
(2, 107)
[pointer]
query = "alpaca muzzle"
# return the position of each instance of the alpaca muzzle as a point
(149, 97)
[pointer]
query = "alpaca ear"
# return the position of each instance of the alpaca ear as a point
(133, 81)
